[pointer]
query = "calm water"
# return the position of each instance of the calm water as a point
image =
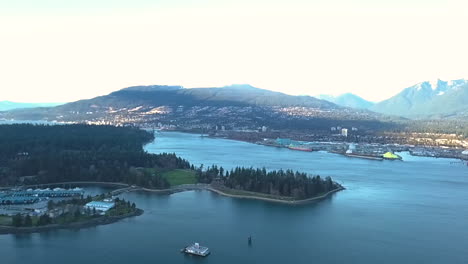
(414, 211)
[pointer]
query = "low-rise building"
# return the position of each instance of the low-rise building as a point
(100, 206)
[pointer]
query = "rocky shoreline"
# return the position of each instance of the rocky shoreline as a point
(276, 200)
(253, 196)
(104, 220)
(249, 195)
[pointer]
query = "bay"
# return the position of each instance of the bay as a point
(414, 211)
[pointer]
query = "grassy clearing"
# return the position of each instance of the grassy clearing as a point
(179, 176)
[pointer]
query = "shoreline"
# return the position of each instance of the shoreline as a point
(250, 195)
(208, 187)
(267, 199)
(457, 157)
(104, 220)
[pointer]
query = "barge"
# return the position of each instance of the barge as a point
(196, 249)
(300, 148)
(363, 156)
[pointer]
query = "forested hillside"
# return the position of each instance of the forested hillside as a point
(31, 154)
(80, 153)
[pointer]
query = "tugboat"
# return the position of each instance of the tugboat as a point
(196, 249)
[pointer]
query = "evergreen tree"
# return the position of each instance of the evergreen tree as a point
(27, 221)
(77, 213)
(17, 220)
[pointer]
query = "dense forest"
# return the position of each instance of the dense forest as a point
(32, 154)
(285, 183)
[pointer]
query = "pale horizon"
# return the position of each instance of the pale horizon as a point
(66, 51)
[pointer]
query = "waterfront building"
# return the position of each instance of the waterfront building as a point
(100, 206)
(351, 148)
(283, 141)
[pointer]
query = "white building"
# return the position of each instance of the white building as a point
(100, 206)
(351, 148)
(344, 132)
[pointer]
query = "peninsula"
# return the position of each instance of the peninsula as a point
(40, 156)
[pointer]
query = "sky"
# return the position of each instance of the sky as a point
(61, 51)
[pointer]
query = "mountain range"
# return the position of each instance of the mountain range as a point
(236, 106)
(8, 105)
(426, 100)
(246, 107)
(436, 99)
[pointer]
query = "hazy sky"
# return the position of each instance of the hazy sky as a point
(58, 50)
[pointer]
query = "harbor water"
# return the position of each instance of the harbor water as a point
(411, 211)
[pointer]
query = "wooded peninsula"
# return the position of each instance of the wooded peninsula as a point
(37, 154)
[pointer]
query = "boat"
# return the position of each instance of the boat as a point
(391, 156)
(363, 156)
(300, 147)
(196, 249)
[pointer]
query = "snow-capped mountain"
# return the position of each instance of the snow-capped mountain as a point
(428, 99)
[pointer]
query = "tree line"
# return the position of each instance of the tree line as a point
(33, 154)
(277, 182)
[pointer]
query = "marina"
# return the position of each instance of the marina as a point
(33, 201)
(30, 196)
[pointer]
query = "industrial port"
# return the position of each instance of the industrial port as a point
(352, 150)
